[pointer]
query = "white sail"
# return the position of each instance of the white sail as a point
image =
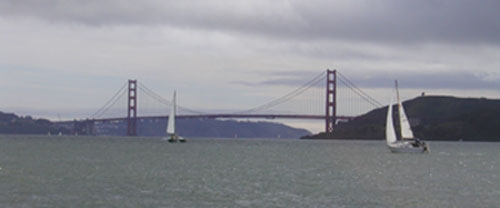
(390, 134)
(406, 132)
(171, 119)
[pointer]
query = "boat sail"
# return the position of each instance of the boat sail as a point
(172, 136)
(390, 133)
(406, 132)
(408, 142)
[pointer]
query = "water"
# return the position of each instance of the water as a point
(146, 172)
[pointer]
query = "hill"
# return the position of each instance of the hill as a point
(13, 124)
(431, 118)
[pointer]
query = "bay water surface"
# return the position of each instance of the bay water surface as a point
(43, 171)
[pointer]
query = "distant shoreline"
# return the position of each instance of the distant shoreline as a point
(216, 138)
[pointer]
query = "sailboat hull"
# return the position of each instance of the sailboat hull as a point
(407, 147)
(173, 138)
(407, 150)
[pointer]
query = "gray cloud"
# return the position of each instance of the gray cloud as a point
(203, 47)
(434, 80)
(408, 80)
(386, 20)
(284, 78)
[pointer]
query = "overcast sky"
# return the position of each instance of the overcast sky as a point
(69, 54)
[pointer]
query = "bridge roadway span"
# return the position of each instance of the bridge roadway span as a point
(265, 116)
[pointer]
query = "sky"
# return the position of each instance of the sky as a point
(70, 56)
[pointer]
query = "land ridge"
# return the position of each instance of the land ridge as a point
(11, 123)
(443, 118)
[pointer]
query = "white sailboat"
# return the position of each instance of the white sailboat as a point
(171, 134)
(408, 143)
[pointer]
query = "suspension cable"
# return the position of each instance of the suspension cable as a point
(160, 99)
(288, 96)
(358, 91)
(110, 102)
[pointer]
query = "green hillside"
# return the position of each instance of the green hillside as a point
(431, 118)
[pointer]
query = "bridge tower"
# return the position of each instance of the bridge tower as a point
(132, 108)
(331, 100)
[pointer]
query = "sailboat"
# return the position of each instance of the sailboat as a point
(408, 143)
(171, 134)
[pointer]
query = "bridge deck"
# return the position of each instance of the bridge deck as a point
(264, 116)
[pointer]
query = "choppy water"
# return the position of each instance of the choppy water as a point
(146, 172)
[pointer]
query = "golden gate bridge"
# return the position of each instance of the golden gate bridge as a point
(318, 99)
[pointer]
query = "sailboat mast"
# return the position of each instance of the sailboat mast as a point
(175, 109)
(398, 101)
(397, 90)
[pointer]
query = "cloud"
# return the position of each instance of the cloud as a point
(385, 79)
(391, 21)
(432, 80)
(202, 48)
